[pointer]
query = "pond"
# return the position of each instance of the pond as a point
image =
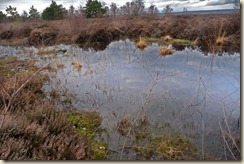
(189, 92)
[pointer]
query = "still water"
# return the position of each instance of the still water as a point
(188, 91)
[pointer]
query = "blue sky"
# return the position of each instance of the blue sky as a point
(177, 5)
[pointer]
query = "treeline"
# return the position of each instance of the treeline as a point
(92, 9)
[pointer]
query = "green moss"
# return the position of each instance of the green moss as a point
(151, 39)
(181, 42)
(171, 41)
(88, 125)
(98, 150)
(167, 147)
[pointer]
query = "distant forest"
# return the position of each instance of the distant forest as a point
(92, 9)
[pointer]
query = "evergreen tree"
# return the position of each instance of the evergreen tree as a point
(2, 16)
(94, 9)
(34, 14)
(54, 12)
(12, 12)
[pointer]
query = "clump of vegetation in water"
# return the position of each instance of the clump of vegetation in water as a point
(166, 147)
(163, 146)
(88, 124)
(166, 51)
(141, 44)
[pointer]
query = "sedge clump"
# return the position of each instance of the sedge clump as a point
(142, 44)
(166, 51)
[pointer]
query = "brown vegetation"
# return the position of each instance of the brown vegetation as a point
(166, 51)
(141, 44)
(99, 32)
(33, 127)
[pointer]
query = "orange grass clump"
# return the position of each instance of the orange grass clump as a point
(76, 65)
(141, 44)
(167, 38)
(166, 51)
(220, 41)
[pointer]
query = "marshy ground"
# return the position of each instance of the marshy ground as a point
(46, 126)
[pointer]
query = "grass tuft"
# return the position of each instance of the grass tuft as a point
(166, 51)
(167, 38)
(142, 44)
(76, 65)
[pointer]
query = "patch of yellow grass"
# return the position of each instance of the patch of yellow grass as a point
(167, 38)
(166, 51)
(221, 38)
(142, 44)
(220, 41)
(76, 65)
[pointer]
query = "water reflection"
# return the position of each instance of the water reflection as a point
(185, 88)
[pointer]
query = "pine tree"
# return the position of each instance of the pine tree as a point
(34, 14)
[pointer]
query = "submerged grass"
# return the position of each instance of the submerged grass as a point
(149, 145)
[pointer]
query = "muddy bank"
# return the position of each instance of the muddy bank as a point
(212, 32)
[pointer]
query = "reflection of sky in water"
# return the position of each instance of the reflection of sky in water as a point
(119, 79)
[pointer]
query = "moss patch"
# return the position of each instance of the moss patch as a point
(167, 147)
(88, 124)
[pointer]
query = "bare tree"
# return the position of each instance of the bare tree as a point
(152, 10)
(113, 9)
(134, 8)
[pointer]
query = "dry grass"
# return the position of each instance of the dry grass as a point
(220, 41)
(142, 44)
(167, 38)
(166, 51)
(76, 65)
(184, 27)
